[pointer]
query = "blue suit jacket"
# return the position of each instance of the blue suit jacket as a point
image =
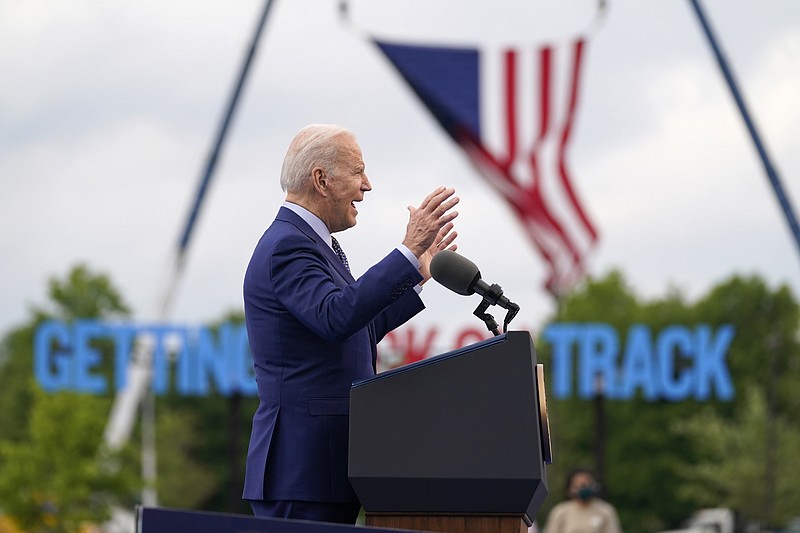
(313, 330)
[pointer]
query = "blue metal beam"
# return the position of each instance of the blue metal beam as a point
(772, 174)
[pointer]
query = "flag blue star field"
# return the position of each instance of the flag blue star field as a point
(512, 111)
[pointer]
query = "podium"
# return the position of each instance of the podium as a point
(455, 443)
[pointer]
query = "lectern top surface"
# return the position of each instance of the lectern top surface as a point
(435, 359)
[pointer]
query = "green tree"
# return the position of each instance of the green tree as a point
(16, 382)
(54, 474)
(764, 362)
(222, 425)
(184, 479)
(81, 295)
(733, 471)
(59, 478)
(201, 442)
(84, 294)
(766, 352)
(647, 456)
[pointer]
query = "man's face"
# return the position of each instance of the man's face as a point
(346, 185)
(582, 486)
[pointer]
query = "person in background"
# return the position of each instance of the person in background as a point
(583, 511)
(313, 327)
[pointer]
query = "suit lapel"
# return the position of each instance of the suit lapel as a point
(287, 215)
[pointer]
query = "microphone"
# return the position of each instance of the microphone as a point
(462, 276)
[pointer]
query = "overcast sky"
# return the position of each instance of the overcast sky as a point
(108, 110)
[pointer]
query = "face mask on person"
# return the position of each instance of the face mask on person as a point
(585, 493)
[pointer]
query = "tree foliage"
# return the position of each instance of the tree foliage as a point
(656, 456)
(54, 474)
(82, 294)
(59, 477)
(734, 469)
(223, 427)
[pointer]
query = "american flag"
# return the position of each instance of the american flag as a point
(512, 111)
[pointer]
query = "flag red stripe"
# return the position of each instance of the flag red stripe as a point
(510, 60)
(545, 56)
(565, 138)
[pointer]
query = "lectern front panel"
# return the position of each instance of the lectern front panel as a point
(457, 433)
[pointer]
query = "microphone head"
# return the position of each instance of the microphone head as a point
(455, 272)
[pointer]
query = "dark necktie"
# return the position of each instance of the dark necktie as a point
(338, 251)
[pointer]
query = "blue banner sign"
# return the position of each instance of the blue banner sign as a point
(192, 360)
(675, 363)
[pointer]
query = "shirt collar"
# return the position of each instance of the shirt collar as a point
(312, 220)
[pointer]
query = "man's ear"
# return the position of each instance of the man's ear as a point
(320, 180)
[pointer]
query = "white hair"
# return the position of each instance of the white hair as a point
(313, 146)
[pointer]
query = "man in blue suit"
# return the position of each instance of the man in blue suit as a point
(313, 328)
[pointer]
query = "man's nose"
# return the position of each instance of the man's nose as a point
(365, 184)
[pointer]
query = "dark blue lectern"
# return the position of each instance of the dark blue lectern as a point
(455, 443)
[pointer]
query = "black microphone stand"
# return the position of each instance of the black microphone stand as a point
(491, 297)
(481, 313)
